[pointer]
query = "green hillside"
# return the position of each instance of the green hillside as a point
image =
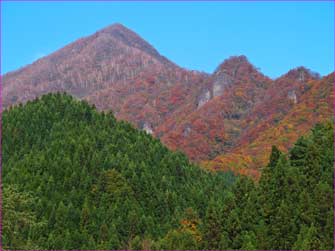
(84, 180)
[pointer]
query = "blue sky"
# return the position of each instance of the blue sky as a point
(275, 36)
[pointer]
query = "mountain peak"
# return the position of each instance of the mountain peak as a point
(238, 59)
(130, 38)
(236, 65)
(232, 62)
(116, 27)
(235, 60)
(301, 74)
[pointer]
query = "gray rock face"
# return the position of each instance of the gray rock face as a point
(187, 131)
(147, 128)
(302, 76)
(221, 82)
(204, 98)
(292, 96)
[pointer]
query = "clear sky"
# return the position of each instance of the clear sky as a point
(275, 36)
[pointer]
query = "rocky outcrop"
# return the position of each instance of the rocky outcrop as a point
(222, 80)
(292, 96)
(187, 130)
(204, 98)
(147, 127)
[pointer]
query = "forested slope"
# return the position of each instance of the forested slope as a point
(74, 178)
(282, 129)
(85, 181)
(292, 205)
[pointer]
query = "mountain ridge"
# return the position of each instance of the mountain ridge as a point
(120, 27)
(203, 115)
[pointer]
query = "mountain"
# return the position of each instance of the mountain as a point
(209, 117)
(114, 69)
(74, 178)
(292, 108)
(109, 57)
(215, 123)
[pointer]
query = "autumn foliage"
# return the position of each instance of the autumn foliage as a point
(225, 120)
